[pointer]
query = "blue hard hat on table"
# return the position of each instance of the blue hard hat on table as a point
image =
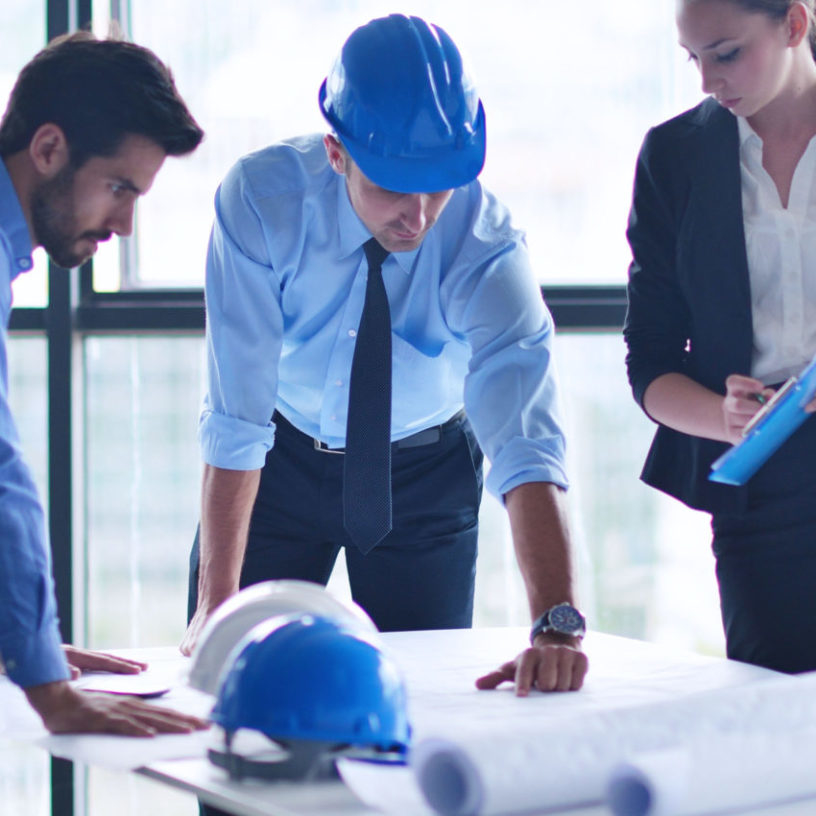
(402, 103)
(307, 678)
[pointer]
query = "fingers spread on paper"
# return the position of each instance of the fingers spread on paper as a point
(545, 668)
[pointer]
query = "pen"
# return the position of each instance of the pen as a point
(768, 403)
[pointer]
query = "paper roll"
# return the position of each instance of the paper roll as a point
(716, 740)
(722, 773)
(450, 781)
(655, 784)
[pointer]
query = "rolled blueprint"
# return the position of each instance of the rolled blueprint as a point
(725, 773)
(539, 764)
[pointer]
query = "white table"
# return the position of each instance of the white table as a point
(440, 668)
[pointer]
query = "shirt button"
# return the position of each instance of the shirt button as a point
(338, 382)
(24, 263)
(352, 333)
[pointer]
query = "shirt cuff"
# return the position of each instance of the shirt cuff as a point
(527, 460)
(36, 659)
(234, 444)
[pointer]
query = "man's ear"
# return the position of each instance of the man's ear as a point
(49, 150)
(336, 154)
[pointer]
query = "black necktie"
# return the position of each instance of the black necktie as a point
(367, 469)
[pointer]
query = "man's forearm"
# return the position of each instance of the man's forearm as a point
(555, 661)
(227, 498)
(538, 521)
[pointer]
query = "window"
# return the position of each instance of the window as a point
(24, 783)
(142, 486)
(23, 27)
(568, 102)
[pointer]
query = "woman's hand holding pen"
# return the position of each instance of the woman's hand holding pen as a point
(743, 398)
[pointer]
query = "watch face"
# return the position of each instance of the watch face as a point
(567, 620)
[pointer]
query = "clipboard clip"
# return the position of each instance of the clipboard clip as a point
(752, 423)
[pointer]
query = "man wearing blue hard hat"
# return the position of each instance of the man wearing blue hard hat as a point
(373, 325)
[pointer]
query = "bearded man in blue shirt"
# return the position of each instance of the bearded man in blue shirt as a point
(288, 277)
(88, 125)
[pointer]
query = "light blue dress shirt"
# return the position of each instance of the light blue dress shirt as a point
(286, 277)
(29, 635)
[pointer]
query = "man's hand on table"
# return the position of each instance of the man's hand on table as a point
(553, 663)
(65, 710)
(80, 660)
(195, 627)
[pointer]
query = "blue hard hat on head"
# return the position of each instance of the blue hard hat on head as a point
(402, 103)
(302, 679)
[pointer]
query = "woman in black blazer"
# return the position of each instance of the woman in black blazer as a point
(719, 308)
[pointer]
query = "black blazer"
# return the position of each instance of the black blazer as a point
(689, 298)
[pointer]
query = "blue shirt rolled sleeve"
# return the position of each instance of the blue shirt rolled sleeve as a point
(233, 444)
(29, 636)
(244, 331)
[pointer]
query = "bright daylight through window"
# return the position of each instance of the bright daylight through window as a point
(567, 107)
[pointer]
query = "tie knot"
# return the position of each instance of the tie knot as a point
(375, 253)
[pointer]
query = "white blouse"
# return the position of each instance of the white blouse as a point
(781, 248)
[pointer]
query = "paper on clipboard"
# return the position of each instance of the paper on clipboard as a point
(133, 685)
(773, 425)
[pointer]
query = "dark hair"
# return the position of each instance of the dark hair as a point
(98, 92)
(778, 9)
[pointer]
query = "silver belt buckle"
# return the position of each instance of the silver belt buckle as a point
(324, 448)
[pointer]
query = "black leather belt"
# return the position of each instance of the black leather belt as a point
(421, 438)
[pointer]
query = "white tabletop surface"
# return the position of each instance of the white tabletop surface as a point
(440, 668)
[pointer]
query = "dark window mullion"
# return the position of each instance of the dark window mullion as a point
(574, 308)
(58, 317)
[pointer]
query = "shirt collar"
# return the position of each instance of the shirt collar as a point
(13, 224)
(748, 137)
(354, 233)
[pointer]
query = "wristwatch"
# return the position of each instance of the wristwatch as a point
(563, 619)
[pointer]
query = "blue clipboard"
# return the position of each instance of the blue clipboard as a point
(767, 430)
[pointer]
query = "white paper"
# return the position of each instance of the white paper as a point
(137, 685)
(657, 783)
(384, 787)
(127, 753)
(440, 669)
(714, 775)
(542, 764)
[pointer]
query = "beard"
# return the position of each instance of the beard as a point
(54, 223)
